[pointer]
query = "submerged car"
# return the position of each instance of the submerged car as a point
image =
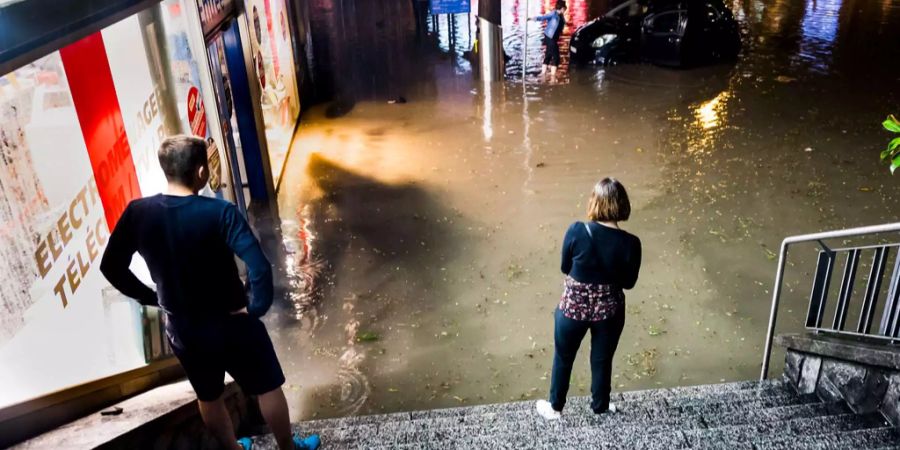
(676, 33)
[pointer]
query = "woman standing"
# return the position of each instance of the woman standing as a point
(600, 260)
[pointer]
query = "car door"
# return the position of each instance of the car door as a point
(661, 37)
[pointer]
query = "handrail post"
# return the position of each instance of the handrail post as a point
(776, 296)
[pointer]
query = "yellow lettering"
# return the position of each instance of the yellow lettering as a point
(91, 246)
(55, 248)
(65, 231)
(61, 291)
(76, 221)
(82, 267)
(102, 233)
(40, 256)
(72, 275)
(92, 189)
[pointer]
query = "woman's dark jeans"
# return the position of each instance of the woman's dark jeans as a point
(568, 335)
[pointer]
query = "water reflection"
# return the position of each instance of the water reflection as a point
(819, 31)
(709, 113)
(527, 51)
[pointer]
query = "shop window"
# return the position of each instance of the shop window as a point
(274, 60)
(59, 324)
(79, 131)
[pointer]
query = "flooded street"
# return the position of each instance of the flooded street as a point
(422, 237)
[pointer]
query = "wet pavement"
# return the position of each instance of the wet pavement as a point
(422, 238)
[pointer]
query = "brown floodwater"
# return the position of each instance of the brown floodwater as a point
(422, 238)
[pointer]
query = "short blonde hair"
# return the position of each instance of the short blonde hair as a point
(609, 202)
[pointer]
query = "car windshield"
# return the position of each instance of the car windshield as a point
(630, 8)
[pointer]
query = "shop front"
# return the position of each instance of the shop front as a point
(80, 124)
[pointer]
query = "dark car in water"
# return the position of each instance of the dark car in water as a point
(677, 33)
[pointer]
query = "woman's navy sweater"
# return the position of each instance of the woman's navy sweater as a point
(605, 256)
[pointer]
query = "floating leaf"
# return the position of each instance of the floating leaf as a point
(367, 336)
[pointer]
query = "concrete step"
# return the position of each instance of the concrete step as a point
(883, 437)
(750, 435)
(682, 395)
(448, 430)
(644, 439)
(629, 412)
(744, 415)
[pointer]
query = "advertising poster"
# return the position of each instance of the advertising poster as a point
(57, 328)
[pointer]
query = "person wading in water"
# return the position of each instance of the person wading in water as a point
(556, 21)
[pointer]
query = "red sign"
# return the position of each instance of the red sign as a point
(97, 106)
(196, 112)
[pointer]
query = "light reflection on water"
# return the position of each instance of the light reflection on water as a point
(819, 31)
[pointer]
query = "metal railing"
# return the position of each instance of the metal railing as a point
(889, 326)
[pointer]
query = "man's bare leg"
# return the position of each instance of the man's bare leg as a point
(553, 73)
(218, 421)
(274, 409)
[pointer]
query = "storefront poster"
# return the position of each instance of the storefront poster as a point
(58, 328)
(271, 45)
(196, 112)
(80, 130)
(213, 13)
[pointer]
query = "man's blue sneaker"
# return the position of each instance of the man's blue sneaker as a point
(312, 442)
(246, 443)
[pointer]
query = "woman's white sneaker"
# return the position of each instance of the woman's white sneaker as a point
(545, 409)
(613, 408)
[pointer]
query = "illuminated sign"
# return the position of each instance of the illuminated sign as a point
(213, 13)
(450, 6)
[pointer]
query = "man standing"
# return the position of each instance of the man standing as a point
(556, 21)
(189, 243)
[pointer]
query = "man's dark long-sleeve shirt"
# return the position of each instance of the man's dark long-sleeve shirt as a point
(189, 245)
(605, 256)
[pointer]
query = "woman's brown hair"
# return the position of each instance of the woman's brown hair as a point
(609, 202)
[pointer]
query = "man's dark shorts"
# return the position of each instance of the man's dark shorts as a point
(237, 344)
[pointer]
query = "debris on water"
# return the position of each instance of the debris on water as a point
(397, 101)
(808, 149)
(540, 164)
(785, 79)
(865, 189)
(514, 271)
(643, 361)
(393, 390)
(770, 255)
(367, 336)
(654, 330)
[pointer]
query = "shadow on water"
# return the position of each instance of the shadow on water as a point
(379, 236)
(339, 108)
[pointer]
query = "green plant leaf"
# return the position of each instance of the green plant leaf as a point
(894, 144)
(891, 124)
(895, 164)
(885, 154)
